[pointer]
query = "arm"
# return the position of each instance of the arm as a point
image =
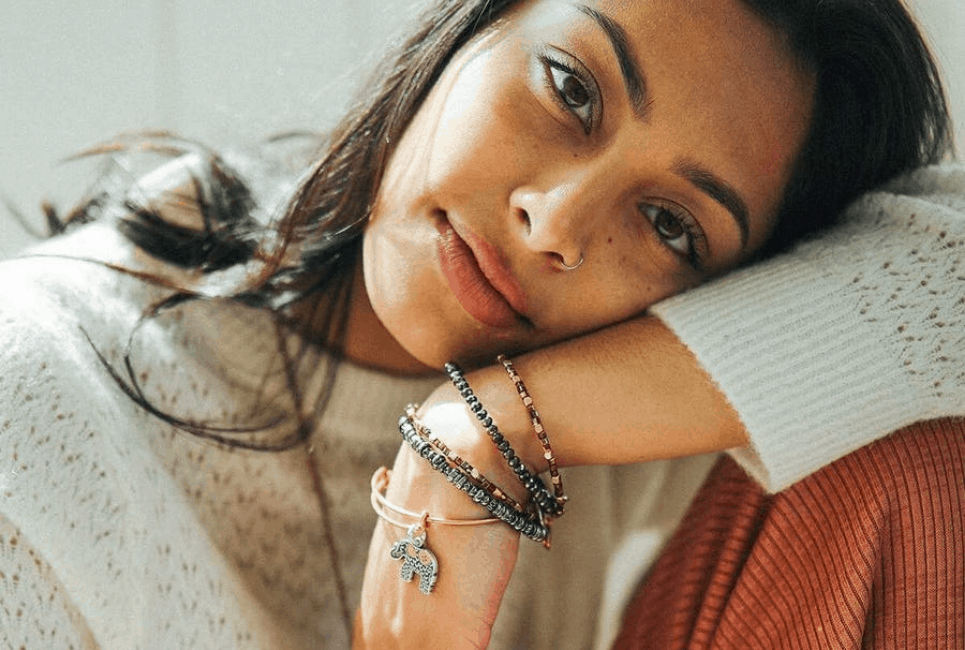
(821, 329)
(855, 334)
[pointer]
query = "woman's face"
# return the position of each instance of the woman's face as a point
(648, 141)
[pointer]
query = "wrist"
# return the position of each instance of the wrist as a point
(447, 415)
(499, 395)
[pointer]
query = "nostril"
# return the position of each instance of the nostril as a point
(523, 216)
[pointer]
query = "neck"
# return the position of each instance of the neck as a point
(369, 343)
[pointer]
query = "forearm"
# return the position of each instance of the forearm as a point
(474, 562)
(394, 614)
(629, 393)
(851, 334)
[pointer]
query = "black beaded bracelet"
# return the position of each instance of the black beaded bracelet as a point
(455, 459)
(546, 502)
(526, 523)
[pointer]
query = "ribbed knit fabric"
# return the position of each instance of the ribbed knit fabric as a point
(856, 334)
(866, 553)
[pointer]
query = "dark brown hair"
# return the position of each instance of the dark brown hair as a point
(879, 108)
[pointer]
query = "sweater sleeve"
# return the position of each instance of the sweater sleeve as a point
(846, 338)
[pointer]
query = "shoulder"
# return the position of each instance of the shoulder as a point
(66, 306)
(916, 470)
(894, 493)
(53, 288)
(53, 312)
(81, 488)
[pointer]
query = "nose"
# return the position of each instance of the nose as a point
(557, 221)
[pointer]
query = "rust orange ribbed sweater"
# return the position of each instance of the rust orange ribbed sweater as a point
(867, 553)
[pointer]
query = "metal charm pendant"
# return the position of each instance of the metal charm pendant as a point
(416, 558)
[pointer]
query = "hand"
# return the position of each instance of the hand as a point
(475, 562)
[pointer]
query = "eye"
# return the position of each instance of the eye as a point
(572, 89)
(677, 229)
(573, 93)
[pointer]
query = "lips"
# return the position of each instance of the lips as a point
(479, 279)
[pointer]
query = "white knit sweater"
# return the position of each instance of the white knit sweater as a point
(117, 531)
(859, 332)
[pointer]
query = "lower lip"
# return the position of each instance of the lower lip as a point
(473, 291)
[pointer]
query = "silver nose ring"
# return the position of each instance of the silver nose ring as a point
(567, 267)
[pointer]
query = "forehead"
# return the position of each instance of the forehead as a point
(722, 88)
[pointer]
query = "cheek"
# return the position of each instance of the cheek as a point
(397, 256)
(461, 123)
(481, 137)
(637, 270)
(399, 283)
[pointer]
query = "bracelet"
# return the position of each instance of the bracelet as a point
(546, 503)
(380, 481)
(532, 525)
(454, 459)
(544, 440)
(411, 550)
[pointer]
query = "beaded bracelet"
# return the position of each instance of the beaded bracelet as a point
(544, 440)
(455, 459)
(546, 503)
(529, 524)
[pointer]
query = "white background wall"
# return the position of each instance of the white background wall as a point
(73, 73)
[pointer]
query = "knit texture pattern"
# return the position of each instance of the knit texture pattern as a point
(120, 532)
(866, 553)
(857, 333)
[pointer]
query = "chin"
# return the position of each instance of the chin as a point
(435, 349)
(480, 355)
(436, 354)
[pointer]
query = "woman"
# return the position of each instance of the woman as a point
(393, 613)
(227, 541)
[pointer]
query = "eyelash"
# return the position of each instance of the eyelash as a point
(554, 66)
(695, 238)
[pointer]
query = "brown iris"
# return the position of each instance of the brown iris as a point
(574, 92)
(668, 226)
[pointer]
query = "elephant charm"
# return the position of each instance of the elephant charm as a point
(416, 558)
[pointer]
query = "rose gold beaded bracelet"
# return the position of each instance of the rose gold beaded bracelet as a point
(544, 440)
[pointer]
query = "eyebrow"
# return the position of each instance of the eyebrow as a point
(717, 189)
(633, 78)
(636, 86)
